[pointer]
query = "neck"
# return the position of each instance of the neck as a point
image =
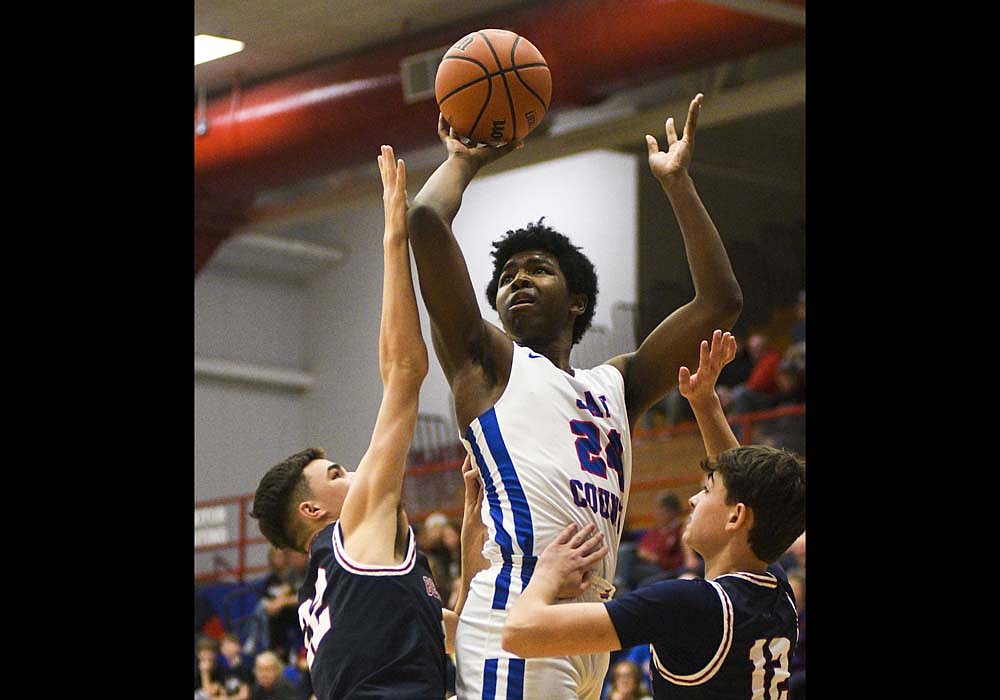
(728, 562)
(557, 351)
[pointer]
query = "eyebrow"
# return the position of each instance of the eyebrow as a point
(532, 259)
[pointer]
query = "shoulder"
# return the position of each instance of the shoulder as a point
(674, 597)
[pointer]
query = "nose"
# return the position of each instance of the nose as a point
(521, 279)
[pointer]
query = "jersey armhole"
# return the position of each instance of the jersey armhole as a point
(354, 567)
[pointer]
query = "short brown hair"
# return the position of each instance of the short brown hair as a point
(771, 482)
(277, 497)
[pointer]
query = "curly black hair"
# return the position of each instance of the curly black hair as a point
(581, 277)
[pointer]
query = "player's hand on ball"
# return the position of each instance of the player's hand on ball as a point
(480, 154)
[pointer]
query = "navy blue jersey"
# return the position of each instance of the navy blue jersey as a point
(371, 631)
(729, 637)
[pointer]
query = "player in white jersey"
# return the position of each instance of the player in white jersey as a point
(551, 442)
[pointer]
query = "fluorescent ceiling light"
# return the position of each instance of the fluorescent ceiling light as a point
(209, 48)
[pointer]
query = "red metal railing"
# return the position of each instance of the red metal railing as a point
(219, 567)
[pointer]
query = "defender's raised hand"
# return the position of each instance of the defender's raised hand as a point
(394, 203)
(675, 160)
(712, 359)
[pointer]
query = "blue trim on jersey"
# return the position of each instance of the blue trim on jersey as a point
(502, 585)
(490, 679)
(505, 465)
(502, 538)
(527, 569)
(515, 679)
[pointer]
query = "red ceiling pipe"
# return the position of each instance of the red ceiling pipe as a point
(335, 116)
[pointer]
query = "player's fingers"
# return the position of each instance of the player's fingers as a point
(442, 126)
(592, 544)
(566, 534)
(389, 163)
(671, 132)
(703, 354)
(692, 119)
(594, 557)
(512, 145)
(383, 168)
(651, 145)
(583, 535)
(401, 175)
(729, 346)
(716, 343)
(684, 378)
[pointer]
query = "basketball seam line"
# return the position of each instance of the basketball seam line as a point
(489, 94)
(510, 99)
(492, 75)
(513, 63)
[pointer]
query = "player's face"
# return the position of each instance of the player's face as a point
(329, 482)
(705, 530)
(533, 300)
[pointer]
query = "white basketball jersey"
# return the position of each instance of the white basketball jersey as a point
(554, 449)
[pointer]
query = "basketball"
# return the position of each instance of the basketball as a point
(493, 86)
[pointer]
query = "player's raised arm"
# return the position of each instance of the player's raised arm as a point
(650, 371)
(370, 515)
(459, 331)
(699, 390)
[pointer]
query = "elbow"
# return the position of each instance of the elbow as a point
(422, 219)
(732, 301)
(511, 641)
(726, 305)
(410, 372)
(516, 639)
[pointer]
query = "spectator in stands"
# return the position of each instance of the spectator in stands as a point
(799, 329)
(208, 677)
(275, 623)
(270, 682)
(206, 619)
(694, 565)
(788, 431)
(658, 553)
(627, 682)
(237, 668)
(758, 391)
(297, 671)
(289, 638)
(257, 633)
(431, 541)
(795, 558)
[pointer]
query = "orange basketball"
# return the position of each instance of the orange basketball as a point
(493, 86)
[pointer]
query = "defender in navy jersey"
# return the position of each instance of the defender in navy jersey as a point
(728, 635)
(369, 609)
(552, 441)
(382, 624)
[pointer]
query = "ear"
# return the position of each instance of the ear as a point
(578, 304)
(739, 517)
(311, 510)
